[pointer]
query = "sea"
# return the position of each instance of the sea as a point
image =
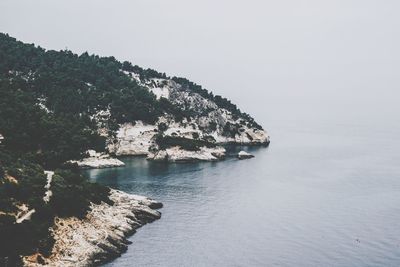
(321, 194)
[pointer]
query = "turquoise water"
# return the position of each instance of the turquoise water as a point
(319, 195)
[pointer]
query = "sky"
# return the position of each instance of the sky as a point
(311, 60)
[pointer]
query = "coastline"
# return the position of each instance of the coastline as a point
(102, 235)
(86, 103)
(173, 155)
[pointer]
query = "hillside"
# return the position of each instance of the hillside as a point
(59, 105)
(55, 106)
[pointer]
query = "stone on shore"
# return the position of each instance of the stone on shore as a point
(97, 161)
(177, 154)
(244, 155)
(101, 236)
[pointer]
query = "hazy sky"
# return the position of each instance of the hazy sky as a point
(278, 60)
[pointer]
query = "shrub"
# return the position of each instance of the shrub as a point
(165, 142)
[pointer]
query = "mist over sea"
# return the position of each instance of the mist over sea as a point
(322, 77)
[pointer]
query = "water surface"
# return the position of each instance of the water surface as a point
(321, 194)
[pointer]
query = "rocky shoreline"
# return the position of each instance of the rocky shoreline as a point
(97, 160)
(177, 154)
(172, 154)
(101, 236)
(244, 155)
(138, 138)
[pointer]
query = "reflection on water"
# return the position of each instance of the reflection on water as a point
(320, 195)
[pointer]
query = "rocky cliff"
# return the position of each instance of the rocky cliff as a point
(101, 235)
(208, 121)
(58, 105)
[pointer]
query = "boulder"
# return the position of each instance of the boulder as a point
(244, 155)
(97, 161)
(177, 154)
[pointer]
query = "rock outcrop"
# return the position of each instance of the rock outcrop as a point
(210, 120)
(97, 161)
(177, 154)
(99, 237)
(244, 155)
(133, 139)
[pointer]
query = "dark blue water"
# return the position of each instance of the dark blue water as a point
(319, 195)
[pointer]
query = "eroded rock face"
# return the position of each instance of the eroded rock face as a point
(177, 154)
(101, 236)
(208, 122)
(133, 139)
(138, 138)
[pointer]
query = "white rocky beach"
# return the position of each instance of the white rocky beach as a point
(101, 235)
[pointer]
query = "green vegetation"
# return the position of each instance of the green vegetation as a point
(46, 138)
(230, 130)
(23, 183)
(72, 188)
(165, 142)
(219, 100)
(72, 84)
(49, 101)
(144, 73)
(73, 88)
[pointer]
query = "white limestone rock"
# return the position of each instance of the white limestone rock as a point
(207, 122)
(161, 155)
(101, 235)
(133, 139)
(137, 139)
(97, 161)
(177, 154)
(48, 194)
(244, 155)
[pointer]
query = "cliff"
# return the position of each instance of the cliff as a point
(208, 120)
(101, 235)
(57, 107)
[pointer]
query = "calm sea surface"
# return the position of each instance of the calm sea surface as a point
(319, 195)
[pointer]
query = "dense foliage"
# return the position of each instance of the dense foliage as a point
(22, 183)
(45, 118)
(165, 142)
(50, 98)
(49, 101)
(219, 100)
(76, 84)
(47, 138)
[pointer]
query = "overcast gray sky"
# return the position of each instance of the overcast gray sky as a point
(278, 60)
